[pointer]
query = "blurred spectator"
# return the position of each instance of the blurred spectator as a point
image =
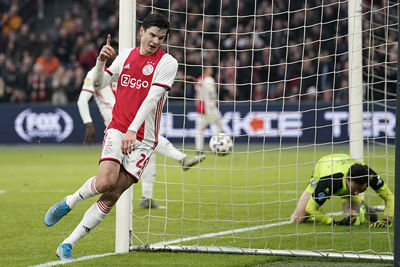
(42, 42)
(63, 46)
(55, 29)
(39, 84)
(10, 21)
(48, 62)
(259, 92)
(21, 91)
(62, 80)
(88, 56)
(23, 42)
(78, 75)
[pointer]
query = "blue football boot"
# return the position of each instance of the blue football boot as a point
(56, 212)
(64, 251)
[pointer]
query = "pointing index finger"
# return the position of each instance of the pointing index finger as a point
(108, 39)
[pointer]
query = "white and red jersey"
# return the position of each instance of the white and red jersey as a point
(206, 95)
(136, 75)
(105, 98)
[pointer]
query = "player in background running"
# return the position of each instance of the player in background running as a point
(206, 106)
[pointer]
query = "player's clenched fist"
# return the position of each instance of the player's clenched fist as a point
(107, 51)
(381, 224)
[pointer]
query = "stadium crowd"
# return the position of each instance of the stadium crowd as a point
(295, 52)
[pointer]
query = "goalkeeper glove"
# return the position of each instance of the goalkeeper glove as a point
(349, 220)
(381, 224)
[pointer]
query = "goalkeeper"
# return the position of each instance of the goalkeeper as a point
(341, 175)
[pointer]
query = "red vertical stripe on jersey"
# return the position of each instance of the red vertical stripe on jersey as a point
(158, 117)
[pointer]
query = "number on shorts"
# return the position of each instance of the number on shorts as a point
(139, 163)
(142, 163)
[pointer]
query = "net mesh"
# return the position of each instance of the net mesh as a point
(282, 76)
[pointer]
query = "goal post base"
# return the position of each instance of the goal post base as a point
(272, 252)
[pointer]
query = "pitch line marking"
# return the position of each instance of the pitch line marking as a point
(240, 230)
(59, 262)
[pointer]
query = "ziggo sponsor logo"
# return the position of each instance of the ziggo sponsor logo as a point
(126, 80)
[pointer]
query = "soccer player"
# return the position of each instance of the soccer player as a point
(341, 175)
(144, 75)
(206, 95)
(105, 100)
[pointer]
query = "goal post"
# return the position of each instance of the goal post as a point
(355, 80)
(127, 38)
(296, 80)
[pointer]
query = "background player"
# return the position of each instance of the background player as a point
(144, 75)
(341, 175)
(207, 97)
(105, 100)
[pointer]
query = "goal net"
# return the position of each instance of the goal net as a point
(296, 80)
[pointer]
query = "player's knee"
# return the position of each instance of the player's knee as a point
(105, 184)
(113, 196)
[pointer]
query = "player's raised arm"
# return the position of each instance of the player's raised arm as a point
(99, 79)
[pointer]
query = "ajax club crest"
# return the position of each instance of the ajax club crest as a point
(148, 69)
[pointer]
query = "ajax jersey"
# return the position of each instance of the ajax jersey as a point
(136, 75)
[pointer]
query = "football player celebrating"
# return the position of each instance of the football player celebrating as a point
(105, 100)
(144, 75)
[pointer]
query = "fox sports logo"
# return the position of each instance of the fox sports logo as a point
(32, 126)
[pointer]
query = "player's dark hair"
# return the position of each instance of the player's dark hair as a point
(156, 20)
(358, 173)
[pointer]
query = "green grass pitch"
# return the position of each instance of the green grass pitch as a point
(245, 189)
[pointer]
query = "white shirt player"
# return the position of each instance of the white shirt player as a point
(105, 99)
(206, 95)
(206, 92)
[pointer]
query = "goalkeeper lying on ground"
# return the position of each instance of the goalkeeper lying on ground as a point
(341, 175)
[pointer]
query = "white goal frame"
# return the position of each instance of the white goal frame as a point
(127, 33)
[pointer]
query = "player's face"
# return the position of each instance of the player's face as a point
(151, 39)
(354, 188)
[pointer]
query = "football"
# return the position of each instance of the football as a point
(221, 144)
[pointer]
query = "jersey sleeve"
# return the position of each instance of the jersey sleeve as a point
(88, 82)
(374, 180)
(165, 72)
(384, 192)
(83, 105)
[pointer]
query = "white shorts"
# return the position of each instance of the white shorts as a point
(133, 163)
